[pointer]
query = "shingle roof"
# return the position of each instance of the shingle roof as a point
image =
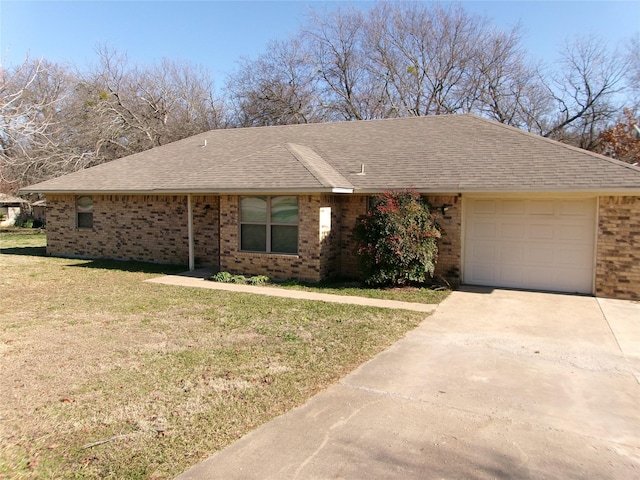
(11, 200)
(447, 153)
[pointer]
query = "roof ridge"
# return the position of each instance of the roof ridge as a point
(317, 166)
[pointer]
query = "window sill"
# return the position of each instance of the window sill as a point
(268, 254)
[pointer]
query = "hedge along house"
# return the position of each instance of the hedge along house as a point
(517, 210)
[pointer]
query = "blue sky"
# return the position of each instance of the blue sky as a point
(216, 34)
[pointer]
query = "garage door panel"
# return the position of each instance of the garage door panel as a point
(573, 208)
(484, 207)
(512, 231)
(573, 257)
(545, 244)
(513, 207)
(484, 230)
(541, 255)
(483, 253)
(542, 207)
(512, 254)
(573, 280)
(485, 274)
(511, 275)
(539, 231)
(575, 233)
(538, 278)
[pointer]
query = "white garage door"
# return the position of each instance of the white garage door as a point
(541, 244)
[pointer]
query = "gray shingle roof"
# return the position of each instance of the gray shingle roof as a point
(11, 200)
(447, 153)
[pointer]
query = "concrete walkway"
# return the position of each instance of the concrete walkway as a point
(198, 279)
(495, 384)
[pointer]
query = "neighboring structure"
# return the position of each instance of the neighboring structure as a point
(39, 211)
(10, 209)
(517, 210)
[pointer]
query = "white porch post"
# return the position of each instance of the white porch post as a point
(192, 262)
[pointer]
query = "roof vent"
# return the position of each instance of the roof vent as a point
(361, 170)
(205, 143)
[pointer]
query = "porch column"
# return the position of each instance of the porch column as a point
(192, 262)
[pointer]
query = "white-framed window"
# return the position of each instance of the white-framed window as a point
(269, 224)
(84, 212)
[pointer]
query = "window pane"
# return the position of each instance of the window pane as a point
(85, 220)
(84, 204)
(253, 209)
(253, 238)
(284, 210)
(284, 239)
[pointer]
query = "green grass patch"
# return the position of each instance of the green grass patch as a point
(415, 294)
(107, 376)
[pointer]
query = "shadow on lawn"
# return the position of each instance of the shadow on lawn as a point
(337, 283)
(130, 266)
(30, 251)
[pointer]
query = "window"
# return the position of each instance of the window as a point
(269, 224)
(84, 212)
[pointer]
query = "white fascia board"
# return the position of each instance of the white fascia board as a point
(341, 190)
(233, 191)
(551, 192)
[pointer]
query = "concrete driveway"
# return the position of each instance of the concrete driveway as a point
(495, 384)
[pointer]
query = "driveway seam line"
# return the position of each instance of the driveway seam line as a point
(610, 328)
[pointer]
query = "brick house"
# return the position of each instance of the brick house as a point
(517, 210)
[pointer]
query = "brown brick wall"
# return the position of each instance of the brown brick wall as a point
(206, 229)
(154, 228)
(618, 250)
(329, 215)
(303, 266)
(449, 264)
(150, 228)
(353, 207)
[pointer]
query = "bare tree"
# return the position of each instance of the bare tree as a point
(507, 88)
(584, 92)
(53, 121)
(426, 54)
(348, 87)
(33, 141)
(275, 89)
(633, 73)
(127, 109)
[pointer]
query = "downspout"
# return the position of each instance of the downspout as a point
(192, 263)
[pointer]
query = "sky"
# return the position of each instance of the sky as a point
(216, 34)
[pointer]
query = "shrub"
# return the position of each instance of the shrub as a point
(224, 277)
(24, 222)
(259, 280)
(397, 240)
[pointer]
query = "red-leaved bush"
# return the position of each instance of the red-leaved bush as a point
(397, 240)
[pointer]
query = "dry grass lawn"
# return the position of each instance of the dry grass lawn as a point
(106, 376)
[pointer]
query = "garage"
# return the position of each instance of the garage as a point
(530, 243)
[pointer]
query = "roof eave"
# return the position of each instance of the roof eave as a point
(200, 191)
(563, 191)
(447, 190)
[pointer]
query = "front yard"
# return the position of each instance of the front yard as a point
(106, 376)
